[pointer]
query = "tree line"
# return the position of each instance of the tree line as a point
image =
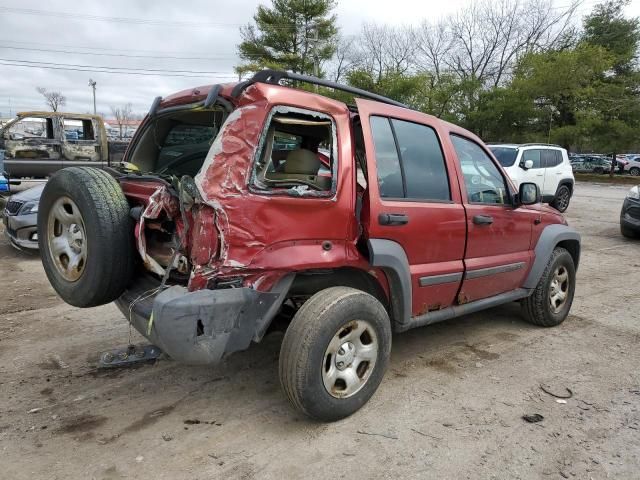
(508, 70)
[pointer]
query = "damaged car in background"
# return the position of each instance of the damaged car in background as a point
(37, 144)
(243, 203)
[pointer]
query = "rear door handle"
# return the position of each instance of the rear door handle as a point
(483, 220)
(393, 219)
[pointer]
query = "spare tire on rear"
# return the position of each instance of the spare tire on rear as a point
(85, 236)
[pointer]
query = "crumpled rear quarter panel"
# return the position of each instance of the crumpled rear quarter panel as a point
(267, 234)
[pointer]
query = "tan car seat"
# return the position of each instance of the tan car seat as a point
(302, 164)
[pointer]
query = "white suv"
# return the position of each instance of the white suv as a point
(547, 166)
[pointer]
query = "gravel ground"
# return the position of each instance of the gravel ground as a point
(450, 406)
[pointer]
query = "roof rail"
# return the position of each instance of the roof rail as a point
(273, 77)
(536, 144)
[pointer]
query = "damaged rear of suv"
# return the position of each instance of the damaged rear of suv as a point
(240, 203)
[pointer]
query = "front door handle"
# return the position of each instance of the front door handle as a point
(483, 220)
(393, 219)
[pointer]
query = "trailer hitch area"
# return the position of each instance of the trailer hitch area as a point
(129, 356)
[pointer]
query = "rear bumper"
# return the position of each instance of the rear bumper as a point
(21, 230)
(200, 327)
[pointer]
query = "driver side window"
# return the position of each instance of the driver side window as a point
(484, 182)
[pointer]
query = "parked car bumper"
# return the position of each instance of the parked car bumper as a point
(22, 230)
(200, 327)
(630, 214)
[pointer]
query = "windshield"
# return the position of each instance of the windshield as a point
(505, 155)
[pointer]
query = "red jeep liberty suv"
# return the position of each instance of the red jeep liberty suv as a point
(242, 203)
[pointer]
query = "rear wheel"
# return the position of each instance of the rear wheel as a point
(335, 352)
(635, 171)
(85, 236)
(562, 198)
(551, 301)
(598, 170)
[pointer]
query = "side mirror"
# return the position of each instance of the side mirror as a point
(528, 194)
(526, 165)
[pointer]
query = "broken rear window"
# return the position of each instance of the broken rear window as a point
(176, 144)
(297, 154)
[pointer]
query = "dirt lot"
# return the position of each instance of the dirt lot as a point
(450, 406)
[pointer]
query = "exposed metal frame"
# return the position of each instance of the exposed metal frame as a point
(273, 77)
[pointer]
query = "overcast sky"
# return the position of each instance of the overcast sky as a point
(206, 29)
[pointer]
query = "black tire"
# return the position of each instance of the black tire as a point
(562, 198)
(108, 233)
(634, 171)
(598, 170)
(628, 232)
(302, 355)
(537, 307)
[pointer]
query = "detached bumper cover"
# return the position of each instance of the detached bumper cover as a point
(201, 327)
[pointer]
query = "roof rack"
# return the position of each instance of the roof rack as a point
(536, 144)
(273, 77)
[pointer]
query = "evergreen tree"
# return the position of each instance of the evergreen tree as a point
(290, 35)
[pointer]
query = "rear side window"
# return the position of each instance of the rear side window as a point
(425, 173)
(390, 179)
(298, 154)
(77, 129)
(410, 161)
(551, 158)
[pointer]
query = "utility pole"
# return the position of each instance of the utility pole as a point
(316, 59)
(92, 84)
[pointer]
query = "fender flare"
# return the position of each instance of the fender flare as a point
(392, 259)
(568, 182)
(551, 237)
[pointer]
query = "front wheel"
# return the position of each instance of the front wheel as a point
(335, 352)
(634, 171)
(562, 199)
(551, 301)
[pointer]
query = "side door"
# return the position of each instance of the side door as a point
(32, 147)
(535, 174)
(80, 145)
(497, 256)
(414, 200)
(553, 170)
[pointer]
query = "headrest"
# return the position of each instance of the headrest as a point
(303, 162)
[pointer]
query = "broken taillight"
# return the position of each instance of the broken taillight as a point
(204, 235)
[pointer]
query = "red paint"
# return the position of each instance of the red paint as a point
(261, 237)
(204, 237)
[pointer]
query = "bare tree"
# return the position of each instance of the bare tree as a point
(54, 100)
(123, 116)
(487, 37)
(346, 57)
(433, 44)
(385, 49)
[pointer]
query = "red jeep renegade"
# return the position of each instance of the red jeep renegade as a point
(245, 202)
